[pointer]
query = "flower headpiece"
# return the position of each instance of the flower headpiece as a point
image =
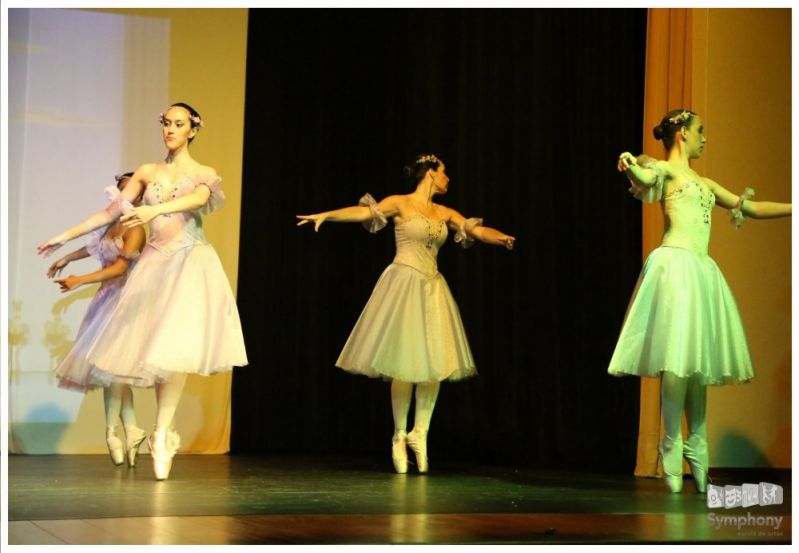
(430, 157)
(195, 120)
(681, 118)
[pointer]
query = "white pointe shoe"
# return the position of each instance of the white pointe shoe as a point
(399, 452)
(671, 454)
(417, 441)
(115, 446)
(134, 436)
(164, 444)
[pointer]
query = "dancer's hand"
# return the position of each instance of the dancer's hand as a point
(507, 241)
(46, 248)
(626, 160)
(55, 268)
(69, 283)
(317, 219)
(139, 216)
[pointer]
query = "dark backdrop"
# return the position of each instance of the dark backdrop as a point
(529, 110)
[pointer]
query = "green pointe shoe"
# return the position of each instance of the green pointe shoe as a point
(671, 454)
(695, 452)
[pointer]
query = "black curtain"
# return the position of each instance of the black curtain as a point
(529, 110)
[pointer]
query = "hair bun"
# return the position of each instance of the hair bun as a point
(658, 132)
(408, 172)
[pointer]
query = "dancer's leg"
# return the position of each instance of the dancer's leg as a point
(167, 396)
(672, 399)
(127, 412)
(695, 448)
(112, 398)
(426, 395)
(164, 442)
(400, 405)
(134, 436)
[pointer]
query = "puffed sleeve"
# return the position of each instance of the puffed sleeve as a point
(648, 194)
(113, 195)
(377, 220)
(736, 213)
(463, 236)
(217, 198)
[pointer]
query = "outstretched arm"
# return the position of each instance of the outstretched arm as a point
(104, 217)
(750, 208)
(484, 234)
(133, 242)
(355, 214)
(643, 176)
(55, 268)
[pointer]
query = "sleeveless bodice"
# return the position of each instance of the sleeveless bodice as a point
(686, 211)
(418, 240)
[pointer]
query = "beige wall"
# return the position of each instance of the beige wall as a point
(741, 85)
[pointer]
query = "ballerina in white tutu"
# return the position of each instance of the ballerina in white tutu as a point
(682, 323)
(116, 248)
(410, 330)
(176, 314)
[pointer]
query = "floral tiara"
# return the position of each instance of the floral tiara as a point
(430, 157)
(681, 118)
(195, 120)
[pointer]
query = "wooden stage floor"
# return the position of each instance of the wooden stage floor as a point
(221, 499)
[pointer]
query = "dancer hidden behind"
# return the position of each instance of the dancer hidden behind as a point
(176, 315)
(117, 249)
(410, 330)
(682, 323)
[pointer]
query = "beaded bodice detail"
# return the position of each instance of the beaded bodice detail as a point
(687, 212)
(418, 240)
(171, 232)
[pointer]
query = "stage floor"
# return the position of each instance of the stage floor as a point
(221, 499)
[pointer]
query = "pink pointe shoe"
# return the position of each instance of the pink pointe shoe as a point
(417, 441)
(164, 443)
(115, 446)
(671, 454)
(134, 436)
(695, 452)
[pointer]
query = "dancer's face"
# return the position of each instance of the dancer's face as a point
(694, 137)
(177, 128)
(440, 179)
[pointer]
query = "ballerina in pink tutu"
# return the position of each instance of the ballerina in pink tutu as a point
(116, 248)
(410, 331)
(176, 314)
(682, 323)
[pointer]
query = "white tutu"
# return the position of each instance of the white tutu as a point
(411, 329)
(177, 313)
(75, 372)
(683, 319)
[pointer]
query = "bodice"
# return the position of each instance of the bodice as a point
(418, 240)
(687, 213)
(172, 232)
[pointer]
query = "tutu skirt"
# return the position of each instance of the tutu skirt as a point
(410, 330)
(683, 319)
(75, 372)
(176, 314)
